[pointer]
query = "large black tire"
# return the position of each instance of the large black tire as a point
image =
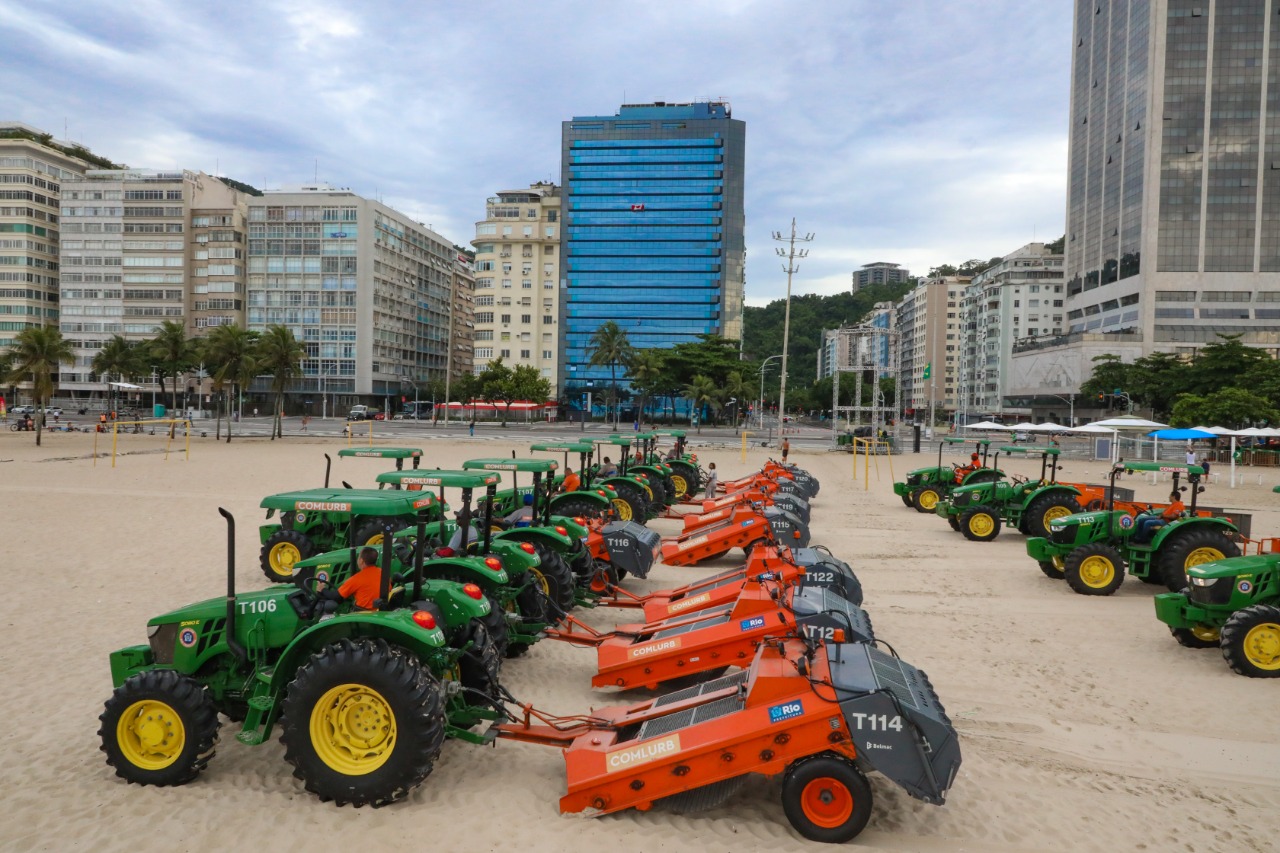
(281, 551)
(1053, 568)
(980, 524)
(363, 723)
(480, 664)
(1182, 550)
(495, 623)
(579, 508)
(925, 498)
(559, 579)
(954, 522)
(371, 530)
(984, 475)
(629, 499)
(659, 490)
(159, 728)
(689, 472)
(906, 500)
(826, 798)
(1094, 569)
(1251, 641)
(1046, 508)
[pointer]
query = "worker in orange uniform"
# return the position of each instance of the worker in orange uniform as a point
(964, 470)
(364, 585)
(572, 482)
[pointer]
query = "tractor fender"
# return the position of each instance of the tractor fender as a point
(458, 607)
(549, 538)
(1056, 487)
(629, 482)
(467, 568)
(1169, 530)
(396, 627)
(581, 494)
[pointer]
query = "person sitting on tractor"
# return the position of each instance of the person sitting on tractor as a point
(364, 585)
(1149, 522)
(522, 516)
(608, 469)
(572, 482)
(963, 471)
(455, 541)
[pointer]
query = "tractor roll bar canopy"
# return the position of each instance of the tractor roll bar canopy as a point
(1170, 467)
(1048, 451)
(447, 479)
(397, 453)
(357, 501)
(563, 447)
(540, 466)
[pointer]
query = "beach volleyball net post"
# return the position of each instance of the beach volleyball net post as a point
(871, 450)
(171, 425)
(351, 431)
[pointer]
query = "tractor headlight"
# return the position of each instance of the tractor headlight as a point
(1203, 581)
(151, 630)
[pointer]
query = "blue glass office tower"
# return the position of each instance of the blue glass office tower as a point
(653, 230)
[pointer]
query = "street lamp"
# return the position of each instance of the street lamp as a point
(1071, 402)
(760, 409)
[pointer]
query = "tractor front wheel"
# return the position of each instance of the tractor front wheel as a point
(925, 499)
(1184, 550)
(363, 723)
(1095, 569)
(826, 798)
(1046, 509)
(906, 499)
(1251, 641)
(980, 524)
(159, 728)
(954, 522)
(282, 550)
(1053, 568)
(1198, 637)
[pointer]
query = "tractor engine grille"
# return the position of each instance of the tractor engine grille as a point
(962, 499)
(690, 717)
(1065, 536)
(712, 686)
(162, 643)
(1218, 592)
(718, 619)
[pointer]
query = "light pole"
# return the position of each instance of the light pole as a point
(791, 254)
(1071, 403)
(760, 408)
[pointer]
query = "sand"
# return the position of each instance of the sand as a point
(1084, 726)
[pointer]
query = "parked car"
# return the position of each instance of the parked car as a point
(23, 410)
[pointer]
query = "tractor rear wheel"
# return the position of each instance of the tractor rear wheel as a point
(579, 508)
(629, 502)
(495, 624)
(980, 524)
(1053, 568)
(159, 728)
(1195, 546)
(370, 531)
(1251, 641)
(559, 579)
(679, 484)
(479, 664)
(1045, 509)
(1094, 569)
(281, 551)
(826, 798)
(925, 499)
(362, 723)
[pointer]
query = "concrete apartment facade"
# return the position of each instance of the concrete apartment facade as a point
(928, 320)
(131, 259)
(880, 272)
(517, 300)
(462, 325)
(32, 172)
(366, 289)
(1021, 298)
(1173, 202)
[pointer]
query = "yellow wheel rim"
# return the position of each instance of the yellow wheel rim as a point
(374, 541)
(1059, 563)
(682, 487)
(1205, 634)
(1097, 571)
(353, 729)
(1262, 646)
(151, 735)
(981, 524)
(282, 558)
(929, 499)
(1054, 512)
(542, 582)
(622, 509)
(1203, 555)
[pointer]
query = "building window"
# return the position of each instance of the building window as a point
(524, 353)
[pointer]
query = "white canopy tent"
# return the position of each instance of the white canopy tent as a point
(1130, 422)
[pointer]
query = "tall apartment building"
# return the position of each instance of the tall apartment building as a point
(1173, 200)
(653, 229)
(366, 289)
(1019, 299)
(461, 332)
(929, 324)
(880, 272)
(33, 168)
(517, 302)
(135, 254)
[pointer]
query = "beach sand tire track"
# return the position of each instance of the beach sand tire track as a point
(363, 723)
(159, 728)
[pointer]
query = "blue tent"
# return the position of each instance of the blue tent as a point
(1181, 434)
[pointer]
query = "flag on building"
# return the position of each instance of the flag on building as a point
(928, 370)
(637, 207)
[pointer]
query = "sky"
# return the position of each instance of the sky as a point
(919, 132)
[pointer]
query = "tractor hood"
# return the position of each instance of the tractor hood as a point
(1079, 519)
(1234, 566)
(210, 608)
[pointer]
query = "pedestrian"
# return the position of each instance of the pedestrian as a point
(306, 419)
(786, 448)
(711, 482)
(471, 429)
(1204, 461)
(1191, 455)
(255, 411)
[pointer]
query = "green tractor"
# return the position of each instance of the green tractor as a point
(379, 452)
(538, 580)
(1233, 605)
(659, 488)
(978, 510)
(1092, 549)
(588, 501)
(364, 699)
(686, 474)
(924, 487)
(628, 496)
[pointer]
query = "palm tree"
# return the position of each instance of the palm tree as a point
(119, 358)
(37, 355)
(172, 354)
(645, 369)
(280, 354)
(703, 392)
(610, 346)
(229, 351)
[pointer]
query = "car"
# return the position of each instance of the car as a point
(23, 410)
(53, 412)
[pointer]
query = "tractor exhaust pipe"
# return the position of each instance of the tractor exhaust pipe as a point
(384, 585)
(328, 464)
(419, 546)
(236, 649)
